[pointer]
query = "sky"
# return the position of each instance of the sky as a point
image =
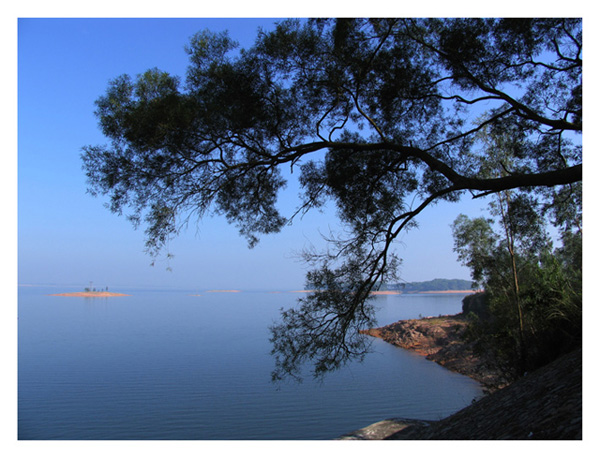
(67, 237)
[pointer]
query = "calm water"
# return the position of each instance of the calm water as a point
(168, 365)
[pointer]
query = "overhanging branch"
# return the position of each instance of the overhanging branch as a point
(564, 176)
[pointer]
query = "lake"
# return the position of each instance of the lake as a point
(174, 365)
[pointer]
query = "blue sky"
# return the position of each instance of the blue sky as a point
(67, 237)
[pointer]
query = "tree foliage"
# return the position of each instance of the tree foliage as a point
(381, 116)
(533, 292)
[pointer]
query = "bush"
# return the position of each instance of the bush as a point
(551, 301)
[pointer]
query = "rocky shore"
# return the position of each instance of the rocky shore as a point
(439, 339)
(543, 405)
(546, 404)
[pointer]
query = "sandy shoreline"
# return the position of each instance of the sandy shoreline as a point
(90, 294)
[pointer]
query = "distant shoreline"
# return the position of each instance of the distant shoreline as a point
(374, 293)
(90, 294)
(448, 291)
(398, 292)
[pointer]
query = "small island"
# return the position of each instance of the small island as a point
(90, 294)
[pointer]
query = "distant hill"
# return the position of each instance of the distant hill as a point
(438, 284)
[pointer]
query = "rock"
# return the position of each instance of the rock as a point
(440, 340)
(383, 429)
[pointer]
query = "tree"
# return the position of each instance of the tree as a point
(533, 292)
(375, 113)
(521, 224)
